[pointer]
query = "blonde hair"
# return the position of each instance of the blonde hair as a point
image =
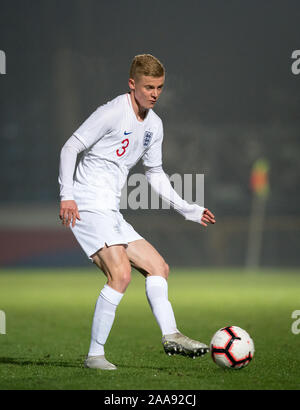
(146, 64)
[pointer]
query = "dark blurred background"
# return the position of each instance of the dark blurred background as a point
(230, 98)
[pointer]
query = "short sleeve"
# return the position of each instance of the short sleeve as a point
(153, 156)
(98, 124)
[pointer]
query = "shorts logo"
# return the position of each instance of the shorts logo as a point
(147, 138)
(117, 228)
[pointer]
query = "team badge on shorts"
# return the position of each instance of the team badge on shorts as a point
(147, 138)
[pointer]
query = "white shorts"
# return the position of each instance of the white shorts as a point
(107, 227)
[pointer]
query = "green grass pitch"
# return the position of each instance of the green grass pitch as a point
(48, 321)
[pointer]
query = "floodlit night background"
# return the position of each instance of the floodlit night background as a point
(230, 99)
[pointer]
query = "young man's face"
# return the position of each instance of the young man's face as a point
(147, 90)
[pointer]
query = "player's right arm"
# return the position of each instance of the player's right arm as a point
(99, 123)
(68, 213)
(68, 208)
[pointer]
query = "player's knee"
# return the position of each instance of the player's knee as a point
(126, 278)
(122, 276)
(161, 269)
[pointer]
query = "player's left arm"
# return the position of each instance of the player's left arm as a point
(161, 184)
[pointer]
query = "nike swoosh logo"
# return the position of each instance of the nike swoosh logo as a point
(127, 133)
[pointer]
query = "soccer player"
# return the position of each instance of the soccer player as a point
(113, 139)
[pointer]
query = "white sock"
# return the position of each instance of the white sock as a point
(157, 295)
(103, 319)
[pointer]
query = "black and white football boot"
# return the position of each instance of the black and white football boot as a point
(177, 343)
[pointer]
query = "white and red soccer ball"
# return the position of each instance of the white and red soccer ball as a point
(232, 347)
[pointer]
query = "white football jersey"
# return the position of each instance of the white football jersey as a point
(115, 141)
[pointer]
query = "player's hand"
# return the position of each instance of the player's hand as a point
(68, 213)
(207, 218)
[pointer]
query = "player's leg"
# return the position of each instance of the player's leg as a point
(113, 261)
(145, 258)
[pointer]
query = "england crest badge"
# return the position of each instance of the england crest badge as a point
(147, 138)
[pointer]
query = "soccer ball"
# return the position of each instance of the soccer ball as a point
(232, 347)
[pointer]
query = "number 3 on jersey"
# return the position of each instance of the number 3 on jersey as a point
(121, 151)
